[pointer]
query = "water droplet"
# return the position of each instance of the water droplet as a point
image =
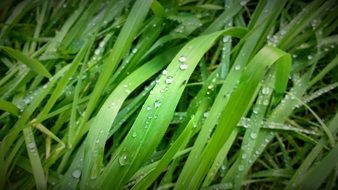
(134, 134)
(31, 145)
(169, 80)
(294, 56)
(164, 72)
(265, 90)
(240, 167)
(266, 102)
(123, 159)
(226, 39)
(157, 104)
(211, 86)
(237, 67)
(97, 52)
(206, 114)
(243, 2)
(309, 57)
(76, 173)
(148, 108)
(182, 59)
(253, 135)
(134, 50)
(183, 66)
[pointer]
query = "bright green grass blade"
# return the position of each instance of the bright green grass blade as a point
(279, 114)
(221, 156)
(157, 111)
(9, 107)
(33, 154)
(238, 104)
(34, 64)
(103, 121)
(121, 46)
(178, 144)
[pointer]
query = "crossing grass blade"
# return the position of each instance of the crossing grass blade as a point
(156, 94)
(101, 126)
(9, 107)
(151, 124)
(246, 89)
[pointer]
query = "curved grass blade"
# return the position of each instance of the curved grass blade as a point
(156, 113)
(9, 107)
(121, 46)
(101, 126)
(34, 64)
(239, 102)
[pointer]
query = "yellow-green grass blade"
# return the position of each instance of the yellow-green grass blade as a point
(156, 113)
(9, 107)
(33, 64)
(236, 108)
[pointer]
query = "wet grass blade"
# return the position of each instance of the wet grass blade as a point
(34, 64)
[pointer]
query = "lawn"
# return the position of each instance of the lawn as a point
(168, 94)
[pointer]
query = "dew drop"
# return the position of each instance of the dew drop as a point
(243, 2)
(237, 67)
(148, 108)
(240, 167)
(169, 80)
(76, 173)
(31, 145)
(134, 134)
(253, 135)
(97, 52)
(309, 57)
(134, 50)
(183, 66)
(266, 102)
(265, 90)
(182, 59)
(157, 104)
(206, 114)
(164, 72)
(226, 39)
(123, 159)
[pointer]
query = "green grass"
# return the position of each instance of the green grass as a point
(171, 94)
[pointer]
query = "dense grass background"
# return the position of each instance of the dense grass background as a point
(185, 94)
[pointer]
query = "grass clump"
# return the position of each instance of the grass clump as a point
(168, 94)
